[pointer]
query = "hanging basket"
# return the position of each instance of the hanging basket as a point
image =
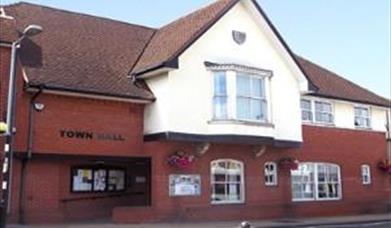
(385, 166)
(288, 163)
(181, 160)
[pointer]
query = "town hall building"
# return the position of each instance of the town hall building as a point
(210, 117)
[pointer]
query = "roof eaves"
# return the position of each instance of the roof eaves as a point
(71, 90)
(351, 100)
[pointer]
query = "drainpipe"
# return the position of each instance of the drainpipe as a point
(388, 134)
(30, 140)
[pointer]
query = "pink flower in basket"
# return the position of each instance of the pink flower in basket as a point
(180, 160)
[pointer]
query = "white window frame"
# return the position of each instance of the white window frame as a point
(368, 117)
(251, 77)
(330, 113)
(316, 183)
(226, 96)
(307, 110)
(212, 182)
(313, 111)
(231, 77)
(366, 172)
(268, 173)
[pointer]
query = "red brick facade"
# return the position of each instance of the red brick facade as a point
(47, 195)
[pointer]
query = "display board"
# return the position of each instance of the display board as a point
(184, 185)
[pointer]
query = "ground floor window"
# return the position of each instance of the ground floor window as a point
(102, 179)
(365, 174)
(316, 181)
(227, 181)
(270, 172)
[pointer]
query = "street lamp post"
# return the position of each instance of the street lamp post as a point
(5, 200)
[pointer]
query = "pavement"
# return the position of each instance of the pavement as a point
(372, 221)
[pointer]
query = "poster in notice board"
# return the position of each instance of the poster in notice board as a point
(184, 185)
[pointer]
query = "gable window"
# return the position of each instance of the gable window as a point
(227, 181)
(220, 95)
(365, 174)
(316, 181)
(240, 94)
(250, 97)
(270, 172)
(361, 117)
(306, 110)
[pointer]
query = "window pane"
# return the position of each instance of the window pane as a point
(306, 115)
(243, 108)
(256, 110)
(220, 84)
(257, 87)
(233, 192)
(326, 107)
(318, 106)
(305, 104)
(220, 107)
(218, 192)
(243, 85)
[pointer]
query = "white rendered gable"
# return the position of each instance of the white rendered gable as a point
(191, 86)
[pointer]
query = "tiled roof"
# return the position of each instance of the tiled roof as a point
(89, 54)
(80, 53)
(7, 30)
(334, 86)
(170, 40)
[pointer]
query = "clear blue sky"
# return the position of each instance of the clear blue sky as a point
(349, 37)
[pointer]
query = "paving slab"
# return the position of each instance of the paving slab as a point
(284, 222)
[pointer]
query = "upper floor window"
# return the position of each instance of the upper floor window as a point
(316, 181)
(306, 110)
(227, 181)
(270, 174)
(323, 112)
(220, 95)
(250, 97)
(361, 117)
(246, 99)
(365, 174)
(317, 111)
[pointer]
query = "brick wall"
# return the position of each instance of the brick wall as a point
(347, 148)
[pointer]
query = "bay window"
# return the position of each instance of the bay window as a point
(316, 181)
(240, 96)
(227, 181)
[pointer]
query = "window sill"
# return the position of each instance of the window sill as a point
(363, 128)
(315, 200)
(241, 122)
(227, 202)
